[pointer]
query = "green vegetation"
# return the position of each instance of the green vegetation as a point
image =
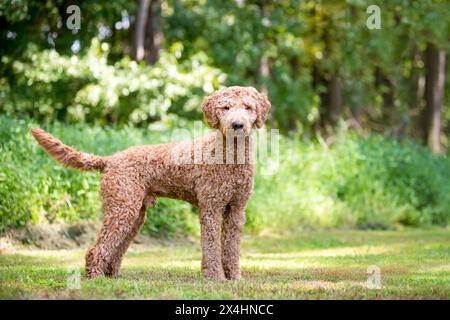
(355, 182)
(363, 116)
(353, 104)
(306, 265)
(78, 89)
(317, 60)
(36, 188)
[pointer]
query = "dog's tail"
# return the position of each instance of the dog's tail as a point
(66, 155)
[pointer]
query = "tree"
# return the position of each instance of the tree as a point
(139, 31)
(264, 67)
(317, 60)
(154, 37)
(434, 96)
(148, 34)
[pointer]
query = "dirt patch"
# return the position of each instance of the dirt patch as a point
(54, 236)
(68, 236)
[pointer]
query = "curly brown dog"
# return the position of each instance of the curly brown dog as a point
(218, 183)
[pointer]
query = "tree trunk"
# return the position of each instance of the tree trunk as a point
(414, 82)
(331, 98)
(139, 31)
(264, 73)
(434, 96)
(264, 68)
(330, 101)
(335, 99)
(264, 65)
(416, 88)
(154, 34)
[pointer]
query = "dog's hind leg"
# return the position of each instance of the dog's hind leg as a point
(122, 206)
(114, 265)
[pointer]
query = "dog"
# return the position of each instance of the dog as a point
(134, 178)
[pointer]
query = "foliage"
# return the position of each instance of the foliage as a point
(304, 42)
(84, 86)
(51, 86)
(356, 182)
(367, 182)
(35, 188)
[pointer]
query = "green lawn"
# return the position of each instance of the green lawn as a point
(414, 264)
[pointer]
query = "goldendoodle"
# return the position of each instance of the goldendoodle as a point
(214, 173)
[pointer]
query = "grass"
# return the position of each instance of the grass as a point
(414, 264)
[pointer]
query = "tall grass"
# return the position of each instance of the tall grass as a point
(357, 182)
(33, 187)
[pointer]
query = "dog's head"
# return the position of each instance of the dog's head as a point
(236, 109)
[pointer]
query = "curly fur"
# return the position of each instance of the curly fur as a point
(134, 178)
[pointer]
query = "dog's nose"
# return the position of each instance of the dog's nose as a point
(237, 125)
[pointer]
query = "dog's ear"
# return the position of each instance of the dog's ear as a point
(209, 110)
(262, 108)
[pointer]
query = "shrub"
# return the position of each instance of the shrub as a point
(356, 182)
(74, 88)
(35, 188)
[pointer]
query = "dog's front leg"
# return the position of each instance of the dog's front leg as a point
(233, 223)
(210, 221)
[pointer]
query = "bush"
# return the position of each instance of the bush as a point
(35, 188)
(87, 88)
(357, 182)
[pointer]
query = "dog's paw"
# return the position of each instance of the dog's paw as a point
(214, 276)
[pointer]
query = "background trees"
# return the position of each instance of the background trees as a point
(319, 63)
(347, 99)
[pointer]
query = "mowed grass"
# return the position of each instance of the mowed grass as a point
(414, 264)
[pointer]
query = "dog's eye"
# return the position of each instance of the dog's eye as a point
(226, 108)
(248, 108)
